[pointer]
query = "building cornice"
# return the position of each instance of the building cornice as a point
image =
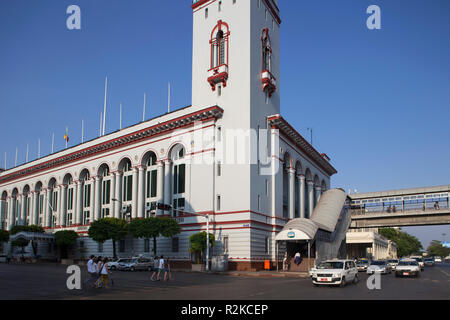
(118, 142)
(277, 121)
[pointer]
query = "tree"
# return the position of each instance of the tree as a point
(4, 237)
(32, 228)
(198, 244)
(437, 249)
(108, 229)
(64, 240)
(154, 227)
(406, 243)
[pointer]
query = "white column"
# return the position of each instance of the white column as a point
(168, 183)
(160, 185)
(10, 221)
(22, 218)
(34, 209)
(318, 194)
(141, 192)
(93, 216)
(97, 198)
(291, 200)
(301, 188)
(79, 203)
(134, 208)
(113, 195)
(49, 213)
(63, 213)
(274, 150)
(60, 218)
(310, 198)
(118, 195)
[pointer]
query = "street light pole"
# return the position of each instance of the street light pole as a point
(207, 232)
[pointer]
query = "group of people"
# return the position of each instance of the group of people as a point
(99, 272)
(161, 266)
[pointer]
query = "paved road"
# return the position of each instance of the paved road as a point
(49, 282)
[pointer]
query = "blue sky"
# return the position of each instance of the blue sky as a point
(378, 101)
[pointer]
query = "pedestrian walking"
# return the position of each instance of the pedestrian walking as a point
(167, 271)
(161, 268)
(155, 268)
(92, 270)
(98, 269)
(104, 274)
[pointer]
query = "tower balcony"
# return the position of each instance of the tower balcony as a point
(217, 75)
(269, 82)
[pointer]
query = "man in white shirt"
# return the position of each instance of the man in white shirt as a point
(92, 270)
(161, 267)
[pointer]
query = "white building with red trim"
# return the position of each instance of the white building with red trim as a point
(230, 154)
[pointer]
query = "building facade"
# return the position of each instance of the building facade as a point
(230, 155)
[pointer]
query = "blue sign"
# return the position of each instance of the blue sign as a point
(291, 234)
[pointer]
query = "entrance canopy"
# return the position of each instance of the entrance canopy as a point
(30, 236)
(298, 229)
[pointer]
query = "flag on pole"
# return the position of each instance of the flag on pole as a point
(66, 136)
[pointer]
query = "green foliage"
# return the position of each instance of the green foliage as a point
(153, 228)
(108, 229)
(437, 249)
(4, 236)
(406, 243)
(66, 238)
(198, 243)
(20, 242)
(32, 228)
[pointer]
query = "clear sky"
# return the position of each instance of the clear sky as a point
(378, 100)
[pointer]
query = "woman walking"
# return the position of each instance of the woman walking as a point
(104, 274)
(167, 272)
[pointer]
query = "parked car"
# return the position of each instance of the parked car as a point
(429, 262)
(114, 265)
(135, 264)
(362, 265)
(447, 258)
(393, 263)
(420, 261)
(437, 259)
(408, 268)
(334, 272)
(379, 266)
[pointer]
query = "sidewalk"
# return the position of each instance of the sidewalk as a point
(257, 274)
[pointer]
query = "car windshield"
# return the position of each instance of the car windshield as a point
(363, 262)
(394, 261)
(378, 263)
(331, 265)
(429, 259)
(408, 263)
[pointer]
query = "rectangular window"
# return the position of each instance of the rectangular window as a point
(175, 244)
(179, 179)
(128, 188)
(219, 203)
(146, 245)
(225, 245)
(106, 192)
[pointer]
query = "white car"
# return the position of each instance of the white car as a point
(114, 265)
(334, 272)
(420, 261)
(408, 268)
(379, 266)
(437, 259)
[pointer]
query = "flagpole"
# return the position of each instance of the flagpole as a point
(27, 154)
(82, 131)
(143, 108)
(121, 116)
(39, 148)
(15, 162)
(168, 104)
(104, 107)
(53, 143)
(100, 131)
(5, 160)
(67, 134)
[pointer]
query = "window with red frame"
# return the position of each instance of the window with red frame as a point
(266, 51)
(219, 45)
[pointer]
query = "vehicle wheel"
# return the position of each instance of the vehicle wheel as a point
(132, 269)
(343, 282)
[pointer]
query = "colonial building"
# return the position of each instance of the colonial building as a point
(230, 154)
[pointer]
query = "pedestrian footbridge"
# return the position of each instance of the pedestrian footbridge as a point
(401, 208)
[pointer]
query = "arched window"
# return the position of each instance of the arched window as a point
(151, 183)
(69, 189)
(268, 80)
(40, 204)
(4, 210)
(219, 42)
(53, 202)
(179, 178)
(87, 192)
(105, 201)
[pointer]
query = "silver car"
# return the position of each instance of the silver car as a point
(135, 264)
(379, 266)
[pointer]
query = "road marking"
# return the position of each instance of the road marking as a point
(448, 275)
